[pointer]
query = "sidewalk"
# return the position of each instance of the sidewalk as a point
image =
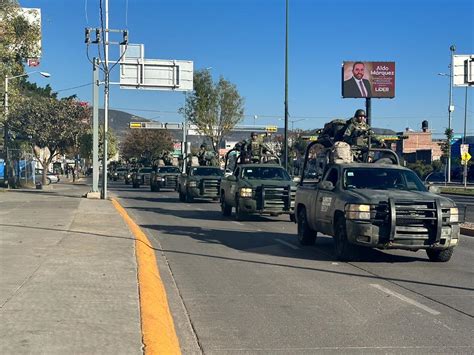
(68, 274)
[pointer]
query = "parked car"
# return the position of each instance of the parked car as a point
(50, 177)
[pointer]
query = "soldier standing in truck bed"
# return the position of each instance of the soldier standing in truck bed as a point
(357, 131)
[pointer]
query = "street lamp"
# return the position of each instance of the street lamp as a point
(5, 124)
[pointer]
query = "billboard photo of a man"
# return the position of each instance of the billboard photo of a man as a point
(357, 86)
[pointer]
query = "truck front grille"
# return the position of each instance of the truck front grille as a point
(275, 198)
(171, 181)
(414, 222)
(209, 187)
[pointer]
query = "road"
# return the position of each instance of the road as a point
(249, 287)
(465, 204)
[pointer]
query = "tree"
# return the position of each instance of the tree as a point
(19, 39)
(214, 108)
(86, 142)
(53, 125)
(146, 145)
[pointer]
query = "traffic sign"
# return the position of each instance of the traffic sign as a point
(156, 125)
(466, 156)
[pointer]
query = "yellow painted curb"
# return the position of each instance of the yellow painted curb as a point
(159, 335)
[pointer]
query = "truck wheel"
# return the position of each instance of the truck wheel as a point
(239, 215)
(182, 197)
(343, 249)
(440, 255)
(306, 236)
(187, 197)
(135, 185)
(225, 208)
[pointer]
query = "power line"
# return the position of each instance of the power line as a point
(74, 87)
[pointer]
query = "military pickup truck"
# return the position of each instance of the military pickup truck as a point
(200, 182)
(257, 188)
(141, 177)
(374, 205)
(165, 177)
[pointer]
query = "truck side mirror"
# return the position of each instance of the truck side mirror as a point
(326, 185)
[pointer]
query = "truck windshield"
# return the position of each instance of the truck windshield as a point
(265, 173)
(207, 172)
(382, 179)
(168, 169)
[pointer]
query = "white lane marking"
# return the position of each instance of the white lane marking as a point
(287, 244)
(240, 224)
(406, 299)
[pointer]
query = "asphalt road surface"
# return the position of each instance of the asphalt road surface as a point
(248, 287)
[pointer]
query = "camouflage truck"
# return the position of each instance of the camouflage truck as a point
(165, 177)
(201, 182)
(141, 177)
(373, 204)
(256, 188)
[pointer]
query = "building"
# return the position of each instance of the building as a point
(418, 145)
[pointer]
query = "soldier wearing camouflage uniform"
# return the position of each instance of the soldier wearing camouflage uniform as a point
(357, 131)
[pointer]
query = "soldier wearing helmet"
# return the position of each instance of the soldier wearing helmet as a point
(201, 155)
(358, 131)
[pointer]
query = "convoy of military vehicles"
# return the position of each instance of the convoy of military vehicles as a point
(350, 187)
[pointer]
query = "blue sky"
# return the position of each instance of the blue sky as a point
(243, 40)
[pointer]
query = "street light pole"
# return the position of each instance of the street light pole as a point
(106, 102)
(450, 109)
(285, 155)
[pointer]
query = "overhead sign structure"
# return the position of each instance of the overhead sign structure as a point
(368, 79)
(136, 72)
(463, 70)
(155, 125)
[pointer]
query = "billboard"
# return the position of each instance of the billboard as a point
(368, 79)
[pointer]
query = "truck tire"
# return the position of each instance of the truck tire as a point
(343, 249)
(239, 215)
(306, 236)
(225, 208)
(440, 256)
(187, 197)
(182, 197)
(135, 185)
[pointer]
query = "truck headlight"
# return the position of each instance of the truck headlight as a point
(453, 215)
(246, 192)
(356, 211)
(192, 184)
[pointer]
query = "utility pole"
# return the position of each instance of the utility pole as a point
(95, 126)
(464, 138)
(106, 102)
(6, 136)
(285, 155)
(450, 109)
